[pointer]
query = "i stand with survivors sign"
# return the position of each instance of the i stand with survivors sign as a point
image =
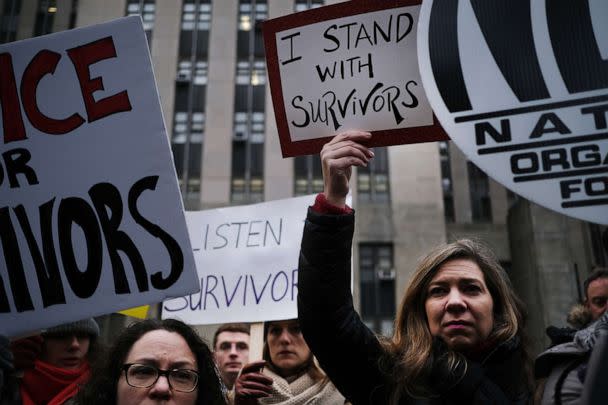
(91, 220)
(351, 65)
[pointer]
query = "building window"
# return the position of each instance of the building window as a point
(73, 14)
(372, 181)
(190, 96)
(308, 175)
(446, 181)
(512, 198)
(147, 10)
(45, 15)
(9, 20)
(599, 244)
(301, 5)
(479, 188)
(377, 275)
(249, 105)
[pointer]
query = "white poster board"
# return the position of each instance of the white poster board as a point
(522, 89)
(247, 260)
(355, 78)
(348, 66)
(91, 219)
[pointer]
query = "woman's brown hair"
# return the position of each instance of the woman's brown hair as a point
(408, 351)
(309, 365)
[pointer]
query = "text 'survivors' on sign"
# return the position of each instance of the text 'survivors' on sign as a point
(247, 261)
(351, 65)
(91, 219)
(522, 88)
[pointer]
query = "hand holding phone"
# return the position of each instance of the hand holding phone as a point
(252, 384)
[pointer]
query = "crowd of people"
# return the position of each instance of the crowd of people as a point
(459, 336)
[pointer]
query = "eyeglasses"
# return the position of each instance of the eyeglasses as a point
(145, 376)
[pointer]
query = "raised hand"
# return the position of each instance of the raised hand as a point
(337, 157)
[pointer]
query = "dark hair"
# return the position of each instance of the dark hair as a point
(598, 272)
(101, 388)
(96, 350)
(230, 327)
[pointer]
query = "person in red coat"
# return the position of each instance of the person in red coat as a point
(53, 365)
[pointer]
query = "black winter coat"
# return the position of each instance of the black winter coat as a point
(349, 352)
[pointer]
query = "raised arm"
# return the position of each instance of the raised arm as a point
(338, 157)
(346, 349)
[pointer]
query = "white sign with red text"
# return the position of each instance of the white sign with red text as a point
(91, 219)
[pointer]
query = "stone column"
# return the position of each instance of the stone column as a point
(94, 11)
(61, 21)
(499, 201)
(217, 151)
(417, 206)
(27, 19)
(547, 250)
(460, 185)
(165, 45)
(278, 172)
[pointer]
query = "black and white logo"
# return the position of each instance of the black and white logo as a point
(521, 86)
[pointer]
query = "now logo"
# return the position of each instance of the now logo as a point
(521, 87)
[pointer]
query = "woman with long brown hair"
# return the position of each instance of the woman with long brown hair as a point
(289, 375)
(458, 335)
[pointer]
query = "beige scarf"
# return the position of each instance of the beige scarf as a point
(302, 391)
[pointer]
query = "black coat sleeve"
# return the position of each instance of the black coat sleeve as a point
(349, 352)
(7, 371)
(346, 349)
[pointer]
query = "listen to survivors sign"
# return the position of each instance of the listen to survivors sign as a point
(247, 260)
(91, 219)
(351, 65)
(522, 88)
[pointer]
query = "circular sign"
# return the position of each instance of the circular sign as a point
(522, 89)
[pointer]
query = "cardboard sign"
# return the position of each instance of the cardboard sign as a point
(351, 65)
(247, 260)
(522, 89)
(91, 220)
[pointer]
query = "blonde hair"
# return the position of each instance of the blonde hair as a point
(408, 359)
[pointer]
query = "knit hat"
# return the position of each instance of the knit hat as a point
(85, 326)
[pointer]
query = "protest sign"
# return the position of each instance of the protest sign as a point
(247, 261)
(522, 89)
(91, 220)
(351, 65)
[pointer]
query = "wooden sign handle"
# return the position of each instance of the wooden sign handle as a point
(256, 341)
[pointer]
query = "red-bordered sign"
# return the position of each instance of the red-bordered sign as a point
(351, 65)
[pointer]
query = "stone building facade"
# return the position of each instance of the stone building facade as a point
(209, 66)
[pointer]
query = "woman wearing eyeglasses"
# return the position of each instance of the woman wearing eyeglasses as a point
(155, 362)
